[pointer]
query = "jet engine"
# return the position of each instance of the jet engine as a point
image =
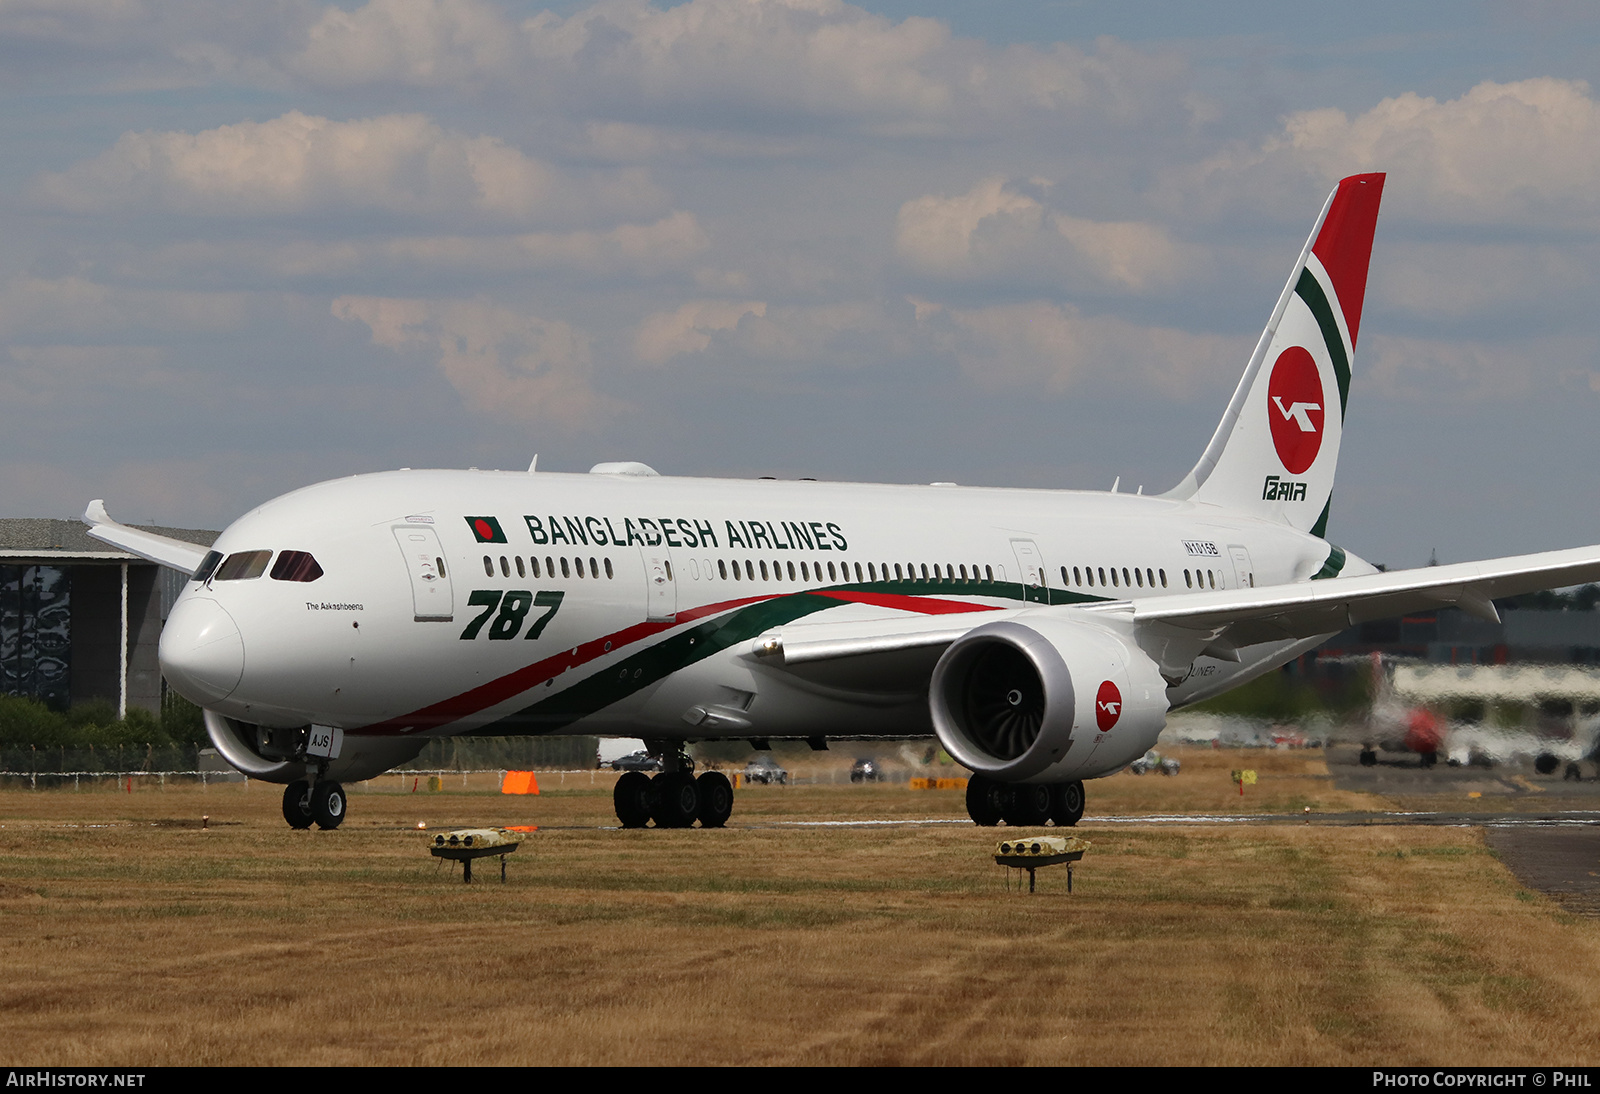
(276, 754)
(1046, 700)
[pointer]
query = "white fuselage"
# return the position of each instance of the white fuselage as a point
(612, 606)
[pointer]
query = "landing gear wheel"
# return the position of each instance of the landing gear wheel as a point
(1066, 803)
(677, 800)
(1574, 773)
(297, 804)
(1546, 764)
(632, 799)
(1369, 758)
(986, 801)
(327, 805)
(716, 799)
(1029, 805)
(1429, 759)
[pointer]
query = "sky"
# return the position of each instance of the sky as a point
(244, 248)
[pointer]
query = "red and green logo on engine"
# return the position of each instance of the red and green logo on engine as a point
(1107, 706)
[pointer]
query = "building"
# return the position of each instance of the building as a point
(80, 620)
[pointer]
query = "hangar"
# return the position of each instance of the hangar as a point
(80, 620)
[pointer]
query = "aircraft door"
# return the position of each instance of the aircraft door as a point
(1242, 569)
(661, 584)
(1031, 566)
(431, 595)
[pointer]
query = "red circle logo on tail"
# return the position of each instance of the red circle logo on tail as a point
(1296, 409)
(1107, 706)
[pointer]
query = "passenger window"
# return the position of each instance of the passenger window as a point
(831, 574)
(764, 570)
(1163, 574)
(488, 566)
(1114, 584)
(722, 569)
(609, 574)
(533, 560)
(594, 567)
(520, 571)
(243, 566)
(300, 566)
(566, 571)
(505, 567)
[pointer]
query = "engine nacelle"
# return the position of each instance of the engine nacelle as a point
(269, 752)
(1046, 700)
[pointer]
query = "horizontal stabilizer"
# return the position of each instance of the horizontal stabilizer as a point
(164, 551)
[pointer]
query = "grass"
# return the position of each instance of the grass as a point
(145, 940)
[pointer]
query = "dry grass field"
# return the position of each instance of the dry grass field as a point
(131, 936)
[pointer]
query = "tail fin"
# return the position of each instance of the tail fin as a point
(1275, 452)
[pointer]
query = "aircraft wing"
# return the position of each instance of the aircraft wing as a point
(1246, 616)
(899, 651)
(172, 553)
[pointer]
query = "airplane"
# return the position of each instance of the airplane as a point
(1041, 635)
(1408, 696)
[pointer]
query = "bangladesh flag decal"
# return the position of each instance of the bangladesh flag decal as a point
(487, 529)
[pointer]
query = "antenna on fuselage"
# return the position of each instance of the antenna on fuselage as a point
(534, 466)
(1116, 482)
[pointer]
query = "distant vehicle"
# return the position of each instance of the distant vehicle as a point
(1154, 761)
(764, 769)
(636, 761)
(866, 770)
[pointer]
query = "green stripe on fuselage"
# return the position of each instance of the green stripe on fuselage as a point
(655, 663)
(1333, 566)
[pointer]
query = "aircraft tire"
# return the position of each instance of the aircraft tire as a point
(631, 797)
(1574, 773)
(985, 801)
(1066, 803)
(1546, 763)
(1369, 758)
(1429, 759)
(297, 804)
(328, 805)
(1028, 805)
(676, 801)
(716, 799)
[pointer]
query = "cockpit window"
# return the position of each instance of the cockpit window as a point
(244, 565)
(207, 565)
(295, 566)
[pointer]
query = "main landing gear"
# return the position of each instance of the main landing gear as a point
(674, 798)
(305, 804)
(1023, 804)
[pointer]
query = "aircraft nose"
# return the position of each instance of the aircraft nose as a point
(202, 652)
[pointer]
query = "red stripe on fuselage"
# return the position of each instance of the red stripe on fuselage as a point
(927, 605)
(531, 676)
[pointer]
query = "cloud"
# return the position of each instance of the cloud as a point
(1044, 345)
(503, 362)
(1524, 153)
(628, 250)
(423, 43)
(688, 329)
(733, 64)
(298, 164)
(998, 230)
(1432, 371)
(41, 309)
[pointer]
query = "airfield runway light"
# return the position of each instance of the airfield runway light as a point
(466, 844)
(1032, 852)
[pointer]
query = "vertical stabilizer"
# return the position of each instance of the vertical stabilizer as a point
(1275, 452)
